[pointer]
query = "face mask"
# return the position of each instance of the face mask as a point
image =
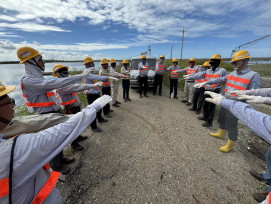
(63, 74)
(144, 61)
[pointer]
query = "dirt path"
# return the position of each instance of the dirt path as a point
(154, 150)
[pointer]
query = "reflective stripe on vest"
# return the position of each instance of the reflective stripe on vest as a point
(145, 68)
(47, 188)
(174, 75)
(71, 101)
(106, 83)
(269, 199)
(39, 104)
(191, 70)
(212, 76)
(4, 190)
(161, 67)
(237, 83)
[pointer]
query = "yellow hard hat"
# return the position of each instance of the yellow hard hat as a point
(6, 89)
(163, 56)
(125, 61)
(113, 61)
(27, 53)
(192, 59)
(206, 64)
(57, 67)
(104, 61)
(216, 56)
(88, 60)
(242, 54)
(175, 60)
(143, 56)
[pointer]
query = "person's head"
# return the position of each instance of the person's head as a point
(215, 61)
(240, 60)
(143, 59)
(6, 106)
(104, 63)
(192, 62)
(206, 65)
(113, 63)
(162, 58)
(88, 62)
(60, 71)
(175, 61)
(32, 56)
(125, 63)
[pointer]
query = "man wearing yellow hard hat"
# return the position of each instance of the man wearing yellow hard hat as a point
(160, 71)
(214, 72)
(198, 97)
(189, 83)
(23, 176)
(143, 68)
(125, 70)
(173, 77)
(38, 92)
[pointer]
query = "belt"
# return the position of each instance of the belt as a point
(190, 81)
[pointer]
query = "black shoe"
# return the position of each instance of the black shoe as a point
(146, 95)
(197, 112)
(160, 94)
(206, 124)
(188, 103)
(260, 197)
(192, 109)
(63, 169)
(118, 102)
(67, 160)
(115, 105)
(201, 117)
(257, 176)
(96, 129)
(102, 120)
(110, 110)
(129, 99)
(77, 147)
(81, 138)
(184, 101)
(125, 100)
(140, 96)
(169, 96)
(176, 97)
(107, 115)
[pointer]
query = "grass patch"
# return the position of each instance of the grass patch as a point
(263, 69)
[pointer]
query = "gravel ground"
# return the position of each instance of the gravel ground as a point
(154, 150)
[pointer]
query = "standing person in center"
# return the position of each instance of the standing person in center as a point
(174, 77)
(189, 83)
(143, 68)
(160, 70)
(125, 70)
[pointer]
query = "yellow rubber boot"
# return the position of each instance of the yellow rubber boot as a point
(228, 147)
(220, 134)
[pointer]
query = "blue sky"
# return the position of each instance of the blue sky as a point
(74, 29)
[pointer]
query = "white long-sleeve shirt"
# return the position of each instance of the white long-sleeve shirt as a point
(265, 92)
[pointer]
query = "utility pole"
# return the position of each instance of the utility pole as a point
(171, 52)
(182, 47)
(149, 50)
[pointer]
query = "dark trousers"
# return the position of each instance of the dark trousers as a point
(55, 163)
(227, 121)
(73, 110)
(143, 80)
(173, 84)
(198, 98)
(91, 98)
(209, 109)
(126, 88)
(106, 91)
(158, 81)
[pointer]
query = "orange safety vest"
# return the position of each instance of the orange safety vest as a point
(160, 67)
(106, 83)
(145, 68)
(174, 75)
(71, 101)
(242, 83)
(39, 104)
(212, 76)
(191, 70)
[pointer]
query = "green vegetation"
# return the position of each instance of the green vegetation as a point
(263, 69)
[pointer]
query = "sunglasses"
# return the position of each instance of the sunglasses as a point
(11, 101)
(191, 62)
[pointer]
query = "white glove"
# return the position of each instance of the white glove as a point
(199, 85)
(216, 98)
(113, 78)
(98, 84)
(237, 92)
(102, 101)
(252, 99)
(86, 73)
(187, 76)
(92, 68)
(174, 72)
